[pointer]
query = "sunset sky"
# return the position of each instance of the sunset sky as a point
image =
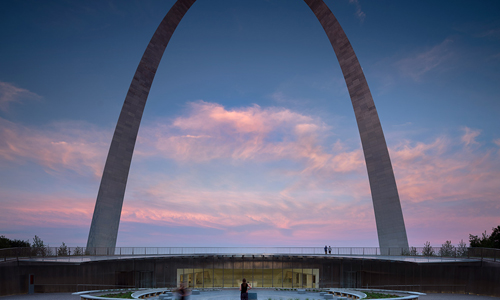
(249, 137)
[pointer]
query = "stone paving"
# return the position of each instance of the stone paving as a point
(234, 295)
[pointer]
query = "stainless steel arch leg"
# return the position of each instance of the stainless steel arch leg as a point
(388, 213)
(108, 207)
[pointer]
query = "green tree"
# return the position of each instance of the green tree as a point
(495, 237)
(447, 249)
(483, 241)
(4, 242)
(412, 251)
(462, 249)
(19, 244)
(38, 246)
(62, 250)
(428, 250)
(78, 251)
(486, 241)
(8, 243)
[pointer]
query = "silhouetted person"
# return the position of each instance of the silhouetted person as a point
(326, 248)
(244, 287)
(182, 291)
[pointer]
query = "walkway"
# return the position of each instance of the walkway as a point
(234, 295)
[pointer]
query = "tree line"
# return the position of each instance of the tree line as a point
(485, 241)
(38, 247)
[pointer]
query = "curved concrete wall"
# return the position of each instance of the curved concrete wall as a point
(51, 277)
(388, 214)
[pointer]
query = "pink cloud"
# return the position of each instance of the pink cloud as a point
(55, 216)
(264, 217)
(447, 188)
(209, 132)
(469, 137)
(61, 146)
(440, 184)
(436, 170)
(205, 116)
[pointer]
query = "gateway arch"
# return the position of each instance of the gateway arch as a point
(388, 214)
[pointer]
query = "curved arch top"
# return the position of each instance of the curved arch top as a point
(388, 213)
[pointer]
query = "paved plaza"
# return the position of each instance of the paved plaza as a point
(234, 295)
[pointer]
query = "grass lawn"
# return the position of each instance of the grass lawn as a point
(371, 295)
(125, 295)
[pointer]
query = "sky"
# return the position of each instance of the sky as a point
(248, 137)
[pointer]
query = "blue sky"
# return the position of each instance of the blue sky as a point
(248, 137)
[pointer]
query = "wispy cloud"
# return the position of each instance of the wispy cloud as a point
(265, 217)
(470, 135)
(491, 33)
(359, 13)
(270, 175)
(53, 210)
(240, 134)
(74, 146)
(9, 94)
(418, 65)
(440, 183)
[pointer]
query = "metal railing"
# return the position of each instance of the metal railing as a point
(50, 252)
(484, 254)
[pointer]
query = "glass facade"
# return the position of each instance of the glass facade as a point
(258, 274)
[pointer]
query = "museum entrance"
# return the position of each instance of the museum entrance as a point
(282, 278)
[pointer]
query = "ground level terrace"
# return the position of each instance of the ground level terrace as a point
(73, 274)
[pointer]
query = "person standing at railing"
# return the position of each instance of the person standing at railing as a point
(244, 287)
(326, 249)
(329, 249)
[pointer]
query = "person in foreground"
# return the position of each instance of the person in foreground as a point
(244, 287)
(182, 291)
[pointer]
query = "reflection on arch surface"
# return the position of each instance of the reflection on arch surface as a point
(388, 213)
